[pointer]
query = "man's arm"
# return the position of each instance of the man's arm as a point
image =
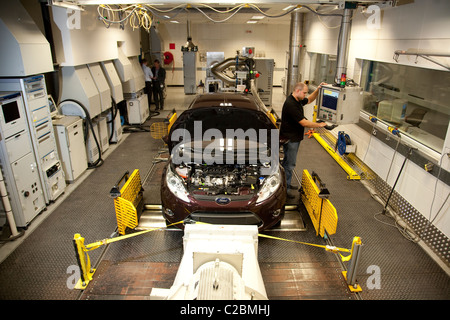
(314, 94)
(309, 124)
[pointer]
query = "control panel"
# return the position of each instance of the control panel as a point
(339, 105)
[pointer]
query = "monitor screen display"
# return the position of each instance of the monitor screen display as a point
(10, 111)
(330, 99)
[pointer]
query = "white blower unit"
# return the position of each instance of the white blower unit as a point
(220, 262)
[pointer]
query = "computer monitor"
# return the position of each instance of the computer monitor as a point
(330, 99)
(10, 111)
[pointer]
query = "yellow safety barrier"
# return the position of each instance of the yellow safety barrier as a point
(173, 117)
(352, 175)
(350, 275)
(160, 129)
(126, 202)
(273, 117)
(84, 263)
(322, 212)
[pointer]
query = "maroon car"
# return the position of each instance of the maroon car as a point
(224, 166)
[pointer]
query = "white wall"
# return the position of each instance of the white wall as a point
(270, 41)
(80, 38)
(422, 25)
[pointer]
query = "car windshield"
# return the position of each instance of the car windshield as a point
(223, 118)
(222, 151)
(223, 122)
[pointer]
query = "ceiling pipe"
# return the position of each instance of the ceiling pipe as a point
(343, 43)
(293, 75)
(189, 44)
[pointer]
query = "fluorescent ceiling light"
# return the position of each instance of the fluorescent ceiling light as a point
(252, 21)
(288, 7)
(174, 21)
(66, 5)
(258, 17)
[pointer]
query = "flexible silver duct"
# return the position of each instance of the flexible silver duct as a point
(218, 70)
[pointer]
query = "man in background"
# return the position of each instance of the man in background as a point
(148, 80)
(159, 79)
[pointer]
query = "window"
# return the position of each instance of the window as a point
(415, 100)
(322, 68)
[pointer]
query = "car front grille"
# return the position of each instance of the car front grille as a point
(238, 218)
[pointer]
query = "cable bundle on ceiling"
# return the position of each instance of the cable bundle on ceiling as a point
(141, 15)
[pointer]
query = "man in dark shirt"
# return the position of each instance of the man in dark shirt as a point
(293, 123)
(159, 79)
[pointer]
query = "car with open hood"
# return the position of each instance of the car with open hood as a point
(224, 164)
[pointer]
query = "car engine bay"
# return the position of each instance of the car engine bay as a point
(236, 179)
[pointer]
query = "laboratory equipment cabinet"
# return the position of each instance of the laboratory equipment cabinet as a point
(38, 117)
(18, 162)
(70, 140)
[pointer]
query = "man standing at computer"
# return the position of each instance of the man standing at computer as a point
(293, 123)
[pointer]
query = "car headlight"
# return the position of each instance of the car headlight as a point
(270, 185)
(176, 186)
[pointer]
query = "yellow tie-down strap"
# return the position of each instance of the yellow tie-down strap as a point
(125, 205)
(88, 272)
(322, 212)
(84, 262)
